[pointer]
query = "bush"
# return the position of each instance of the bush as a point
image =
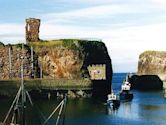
(1, 44)
(70, 43)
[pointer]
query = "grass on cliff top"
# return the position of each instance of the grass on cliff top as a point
(154, 53)
(67, 43)
(50, 43)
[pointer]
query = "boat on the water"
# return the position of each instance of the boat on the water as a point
(113, 101)
(125, 93)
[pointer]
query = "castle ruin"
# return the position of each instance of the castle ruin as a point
(32, 29)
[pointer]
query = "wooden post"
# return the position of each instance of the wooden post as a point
(10, 65)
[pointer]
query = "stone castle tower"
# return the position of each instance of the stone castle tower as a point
(32, 29)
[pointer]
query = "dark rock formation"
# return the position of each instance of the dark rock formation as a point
(96, 53)
(153, 63)
(32, 29)
(146, 82)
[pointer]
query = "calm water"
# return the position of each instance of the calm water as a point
(147, 108)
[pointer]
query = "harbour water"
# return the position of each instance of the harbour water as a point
(147, 108)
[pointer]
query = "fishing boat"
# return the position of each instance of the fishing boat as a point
(113, 101)
(125, 93)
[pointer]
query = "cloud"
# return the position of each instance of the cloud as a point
(126, 44)
(159, 1)
(160, 4)
(127, 28)
(93, 13)
(11, 33)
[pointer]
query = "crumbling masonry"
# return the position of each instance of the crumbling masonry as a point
(32, 29)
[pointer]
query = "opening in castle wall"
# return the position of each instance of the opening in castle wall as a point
(97, 72)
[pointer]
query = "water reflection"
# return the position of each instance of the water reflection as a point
(152, 112)
(145, 109)
(126, 109)
(111, 111)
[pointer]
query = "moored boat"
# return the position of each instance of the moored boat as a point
(113, 101)
(125, 93)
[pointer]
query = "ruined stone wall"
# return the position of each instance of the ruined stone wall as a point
(32, 29)
(10, 64)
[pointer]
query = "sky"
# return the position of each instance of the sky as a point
(127, 27)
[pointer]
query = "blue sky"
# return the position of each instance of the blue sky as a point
(127, 27)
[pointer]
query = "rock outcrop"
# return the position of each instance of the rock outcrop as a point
(146, 82)
(70, 58)
(153, 63)
(58, 59)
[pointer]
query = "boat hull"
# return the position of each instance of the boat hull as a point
(126, 96)
(114, 104)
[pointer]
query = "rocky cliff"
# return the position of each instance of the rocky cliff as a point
(69, 58)
(152, 63)
(57, 59)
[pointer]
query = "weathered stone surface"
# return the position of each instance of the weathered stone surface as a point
(14, 72)
(146, 82)
(61, 62)
(32, 29)
(153, 63)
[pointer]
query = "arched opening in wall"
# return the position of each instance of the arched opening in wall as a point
(28, 28)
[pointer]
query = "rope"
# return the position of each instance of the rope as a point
(61, 103)
(59, 114)
(17, 96)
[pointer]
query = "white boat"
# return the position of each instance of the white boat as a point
(113, 101)
(125, 93)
